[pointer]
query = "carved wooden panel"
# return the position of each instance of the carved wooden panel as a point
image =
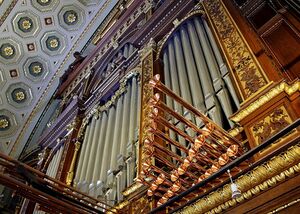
(272, 123)
(248, 75)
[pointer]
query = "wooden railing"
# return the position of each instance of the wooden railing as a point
(52, 195)
(170, 165)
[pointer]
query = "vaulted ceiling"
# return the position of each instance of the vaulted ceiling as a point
(37, 39)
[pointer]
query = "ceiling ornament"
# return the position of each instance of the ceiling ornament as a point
(36, 69)
(26, 24)
(71, 17)
(19, 95)
(8, 123)
(45, 5)
(10, 50)
(53, 43)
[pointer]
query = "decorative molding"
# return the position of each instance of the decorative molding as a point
(277, 210)
(70, 173)
(133, 188)
(261, 178)
(7, 11)
(107, 23)
(247, 72)
(147, 60)
(160, 22)
(269, 95)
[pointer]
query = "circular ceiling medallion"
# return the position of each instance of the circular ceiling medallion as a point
(53, 43)
(4, 123)
(26, 24)
(8, 123)
(36, 68)
(19, 95)
(45, 5)
(71, 17)
(10, 50)
(89, 2)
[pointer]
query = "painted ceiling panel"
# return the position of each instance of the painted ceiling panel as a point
(37, 38)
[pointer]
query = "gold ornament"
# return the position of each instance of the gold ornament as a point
(26, 24)
(71, 18)
(8, 51)
(36, 69)
(20, 95)
(53, 43)
(3, 123)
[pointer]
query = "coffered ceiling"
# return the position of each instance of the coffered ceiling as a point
(37, 38)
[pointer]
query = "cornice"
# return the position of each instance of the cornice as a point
(266, 97)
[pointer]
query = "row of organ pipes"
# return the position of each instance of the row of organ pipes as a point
(195, 70)
(106, 163)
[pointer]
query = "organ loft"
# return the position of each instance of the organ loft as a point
(150, 106)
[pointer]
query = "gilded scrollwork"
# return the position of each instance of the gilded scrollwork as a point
(147, 55)
(246, 70)
(271, 124)
(261, 178)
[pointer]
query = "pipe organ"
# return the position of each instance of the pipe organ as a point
(195, 70)
(54, 163)
(174, 92)
(106, 163)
